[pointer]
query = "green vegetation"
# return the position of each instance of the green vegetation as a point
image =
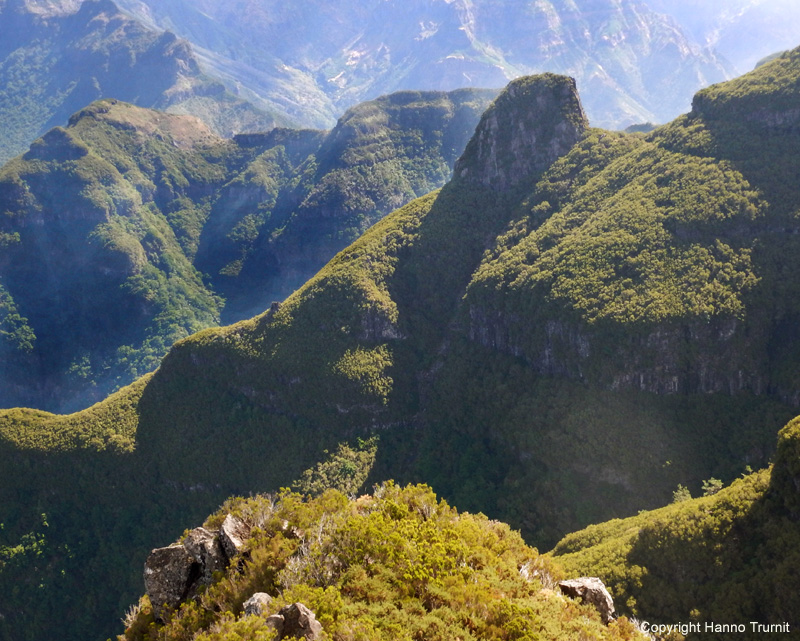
(281, 219)
(101, 234)
(681, 494)
(725, 557)
(16, 336)
(51, 66)
(394, 565)
(569, 351)
(108, 425)
(345, 470)
(145, 221)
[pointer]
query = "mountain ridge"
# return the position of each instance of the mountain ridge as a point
(385, 340)
(617, 51)
(662, 564)
(160, 215)
(54, 62)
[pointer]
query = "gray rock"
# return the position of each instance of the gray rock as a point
(257, 604)
(276, 622)
(300, 622)
(593, 592)
(233, 535)
(169, 574)
(533, 122)
(207, 550)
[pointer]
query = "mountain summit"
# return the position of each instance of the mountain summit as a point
(535, 121)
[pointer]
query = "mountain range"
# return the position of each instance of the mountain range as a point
(741, 31)
(123, 230)
(631, 63)
(66, 54)
(578, 323)
(53, 64)
(634, 61)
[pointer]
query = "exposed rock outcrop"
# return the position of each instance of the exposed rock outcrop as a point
(705, 357)
(233, 534)
(168, 576)
(533, 122)
(592, 591)
(376, 325)
(296, 621)
(276, 622)
(206, 550)
(257, 604)
(173, 574)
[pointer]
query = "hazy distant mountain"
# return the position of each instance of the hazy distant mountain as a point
(53, 62)
(743, 31)
(315, 58)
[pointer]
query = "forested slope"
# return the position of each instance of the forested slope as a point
(728, 557)
(128, 229)
(575, 324)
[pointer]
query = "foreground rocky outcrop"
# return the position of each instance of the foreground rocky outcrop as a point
(396, 564)
(591, 591)
(295, 621)
(173, 574)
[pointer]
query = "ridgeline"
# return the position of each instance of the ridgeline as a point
(579, 322)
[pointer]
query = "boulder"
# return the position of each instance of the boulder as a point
(233, 533)
(257, 604)
(169, 574)
(593, 592)
(207, 550)
(276, 622)
(299, 622)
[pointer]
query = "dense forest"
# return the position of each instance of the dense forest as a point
(141, 228)
(580, 326)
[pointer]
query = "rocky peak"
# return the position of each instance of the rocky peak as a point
(173, 574)
(534, 121)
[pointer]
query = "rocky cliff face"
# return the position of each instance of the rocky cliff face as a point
(722, 356)
(535, 121)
